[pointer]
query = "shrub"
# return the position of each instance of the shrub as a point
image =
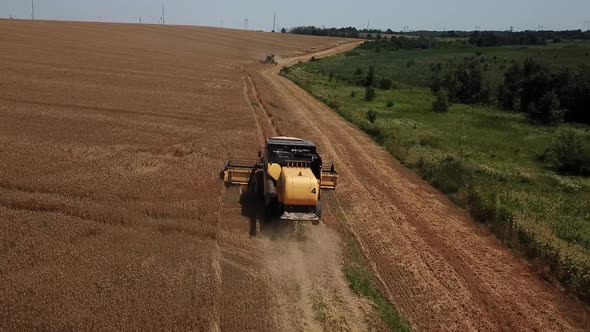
(385, 84)
(369, 93)
(353, 94)
(331, 77)
(390, 103)
(371, 115)
(352, 53)
(410, 63)
(334, 104)
(358, 71)
(313, 59)
(450, 175)
(570, 152)
(285, 70)
(441, 104)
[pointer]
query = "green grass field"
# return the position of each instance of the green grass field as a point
(488, 160)
(412, 67)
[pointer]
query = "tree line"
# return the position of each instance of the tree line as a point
(477, 38)
(348, 32)
(547, 95)
(395, 43)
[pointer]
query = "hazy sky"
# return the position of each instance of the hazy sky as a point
(416, 14)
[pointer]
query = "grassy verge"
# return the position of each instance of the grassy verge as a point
(362, 282)
(486, 160)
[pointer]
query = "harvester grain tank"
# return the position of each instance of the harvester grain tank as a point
(289, 175)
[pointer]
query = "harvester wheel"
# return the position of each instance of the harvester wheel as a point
(259, 184)
(270, 210)
(318, 212)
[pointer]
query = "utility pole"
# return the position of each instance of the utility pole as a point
(586, 25)
(368, 24)
(274, 22)
(246, 24)
(163, 15)
(33, 9)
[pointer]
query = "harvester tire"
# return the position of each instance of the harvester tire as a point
(259, 184)
(318, 212)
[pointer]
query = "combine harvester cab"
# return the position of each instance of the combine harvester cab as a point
(288, 175)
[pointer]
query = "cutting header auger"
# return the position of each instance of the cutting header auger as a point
(289, 175)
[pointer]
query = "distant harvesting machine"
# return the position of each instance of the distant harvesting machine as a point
(289, 175)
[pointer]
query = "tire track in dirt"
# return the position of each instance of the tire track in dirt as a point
(264, 121)
(443, 271)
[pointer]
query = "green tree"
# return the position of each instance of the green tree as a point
(441, 104)
(546, 109)
(370, 81)
(436, 78)
(509, 91)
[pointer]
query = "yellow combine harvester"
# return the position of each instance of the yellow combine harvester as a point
(289, 175)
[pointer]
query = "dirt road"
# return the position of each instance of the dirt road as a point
(441, 269)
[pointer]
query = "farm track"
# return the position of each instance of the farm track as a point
(441, 269)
